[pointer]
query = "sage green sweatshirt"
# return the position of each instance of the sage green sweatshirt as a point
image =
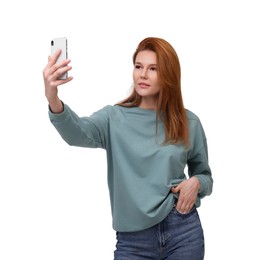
(141, 169)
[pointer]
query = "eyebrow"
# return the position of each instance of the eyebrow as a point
(148, 64)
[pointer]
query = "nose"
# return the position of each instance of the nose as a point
(144, 74)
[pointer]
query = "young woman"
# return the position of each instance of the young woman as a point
(149, 139)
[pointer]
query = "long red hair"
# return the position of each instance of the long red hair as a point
(170, 107)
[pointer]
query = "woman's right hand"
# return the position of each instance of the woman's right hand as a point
(51, 73)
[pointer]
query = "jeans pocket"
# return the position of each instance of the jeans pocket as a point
(185, 215)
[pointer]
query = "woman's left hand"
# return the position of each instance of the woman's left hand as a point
(188, 191)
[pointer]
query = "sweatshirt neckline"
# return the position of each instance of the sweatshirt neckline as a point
(142, 110)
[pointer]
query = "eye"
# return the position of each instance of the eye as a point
(153, 68)
(137, 66)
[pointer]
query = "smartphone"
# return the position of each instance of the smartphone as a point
(56, 44)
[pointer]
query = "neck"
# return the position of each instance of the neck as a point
(148, 104)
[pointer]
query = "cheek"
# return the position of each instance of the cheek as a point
(135, 76)
(156, 84)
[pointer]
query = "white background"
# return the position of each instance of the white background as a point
(54, 201)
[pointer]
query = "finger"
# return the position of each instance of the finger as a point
(182, 209)
(63, 81)
(58, 73)
(174, 190)
(57, 82)
(184, 206)
(63, 63)
(54, 58)
(61, 67)
(181, 203)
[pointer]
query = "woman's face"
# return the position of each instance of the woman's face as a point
(145, 78)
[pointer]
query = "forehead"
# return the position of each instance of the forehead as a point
(146, 57)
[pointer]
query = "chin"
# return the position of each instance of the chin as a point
(145, 93)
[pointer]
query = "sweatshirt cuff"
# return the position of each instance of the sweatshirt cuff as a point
(203, 186)
(60, 116)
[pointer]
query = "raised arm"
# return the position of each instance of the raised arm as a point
(51, 73)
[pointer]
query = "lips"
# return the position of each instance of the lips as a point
(143, 85)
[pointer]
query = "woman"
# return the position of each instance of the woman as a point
(149, 139)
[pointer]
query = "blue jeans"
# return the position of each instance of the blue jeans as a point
(177, 237)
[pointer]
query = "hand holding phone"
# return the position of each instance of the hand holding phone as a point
(56, 44)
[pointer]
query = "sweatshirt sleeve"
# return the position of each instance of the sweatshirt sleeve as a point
(197, 162)
(82, 131)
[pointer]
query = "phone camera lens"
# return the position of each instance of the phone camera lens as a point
(52, 43)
